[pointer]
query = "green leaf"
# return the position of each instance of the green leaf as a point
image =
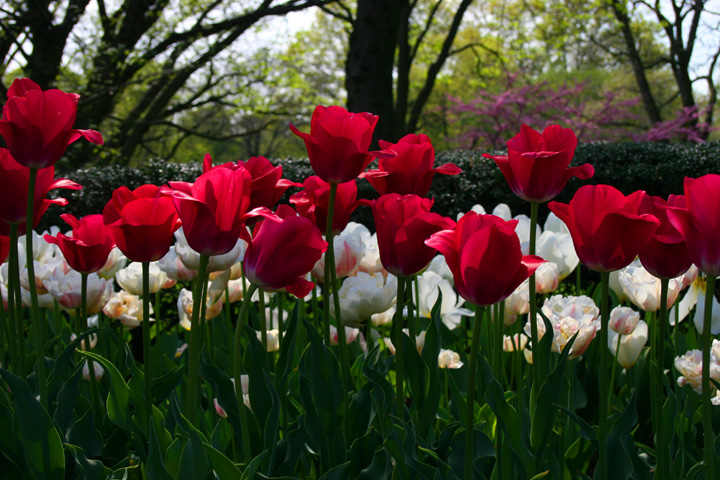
(272, 423)
(66, 400)
(621, 466)
(508, 418)
(322, 391)
(32, 425)
(587, 431)
(223, 467)
(543, 415)
(155, 467)
(10, 445)
(84, 435)
(194, 463)
(91, 469)
(380, 467)
(287, 351)
(337, 473)
(118, 399)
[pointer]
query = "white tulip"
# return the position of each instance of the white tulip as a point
(363, 295)
(558, 248)
(66, 289)
(174, 268)
(547, 278)
(568, 316)
(631, 345)
(116, 261)
(216, 263)
(503, 211)
(130, 278)
(514, 342)
(518, 303)
(477, 208)
(623, 320)
(430, 285)
(643, 289)
(127, 308)
(349, 249)
(449, 359)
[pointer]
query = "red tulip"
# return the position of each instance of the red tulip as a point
(403, 223)
(88, 249)
(536, 166)
(699, 222)
(282, 252)
(14, 180)
(38, 125)
(483, 252)
(4, 248)
(141, 222)
(214, 209)
(338, 143)
(314, 201)
(607, 227)
(411, 171)
(267, 185)
(666, 254)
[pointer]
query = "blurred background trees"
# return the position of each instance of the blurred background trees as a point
(174, 79)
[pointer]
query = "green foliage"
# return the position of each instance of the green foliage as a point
(657, 168)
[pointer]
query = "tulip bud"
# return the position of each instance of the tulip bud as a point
(623, 320)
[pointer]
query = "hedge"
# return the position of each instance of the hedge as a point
(656, 168)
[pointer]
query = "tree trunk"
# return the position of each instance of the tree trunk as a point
(651, 108)
(370, 63)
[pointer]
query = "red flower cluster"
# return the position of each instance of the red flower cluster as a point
(484, 255)
(88, 248)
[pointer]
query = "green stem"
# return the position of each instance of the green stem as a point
(613, 369)
(706, 338)
(603, 377)
(263, 322)
(333, 281)
(578, 284)
(397, 327)
(35, 310)
(412, 327)
(662, 469)
(13, 337)
(280, 302)
(195, 344)
(237, 364)
(519, 360)
(147, 346)
(83, 327)
(537, 367)
(500, 325)
(470, 397)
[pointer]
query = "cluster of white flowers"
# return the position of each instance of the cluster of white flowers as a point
(690, 367)
(569, 316)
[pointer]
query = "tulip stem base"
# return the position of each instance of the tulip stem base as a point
(195, 343)
(538, 363)
(470, 397)
(397, 341)
(13, 336)
(147, 345)
(662, 469)
(603, 389)
(35, 309)
(706, 341)
(237, 367)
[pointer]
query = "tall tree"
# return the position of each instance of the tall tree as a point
(169, 53)
(383, 31)
(681, 22)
